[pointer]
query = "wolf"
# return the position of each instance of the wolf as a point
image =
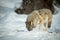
(28, 6)
(41, 16)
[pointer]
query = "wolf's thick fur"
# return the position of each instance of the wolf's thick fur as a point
(42, 16)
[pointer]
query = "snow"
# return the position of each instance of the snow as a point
(31, 36)
(12, 25)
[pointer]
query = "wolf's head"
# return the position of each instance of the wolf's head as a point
(30, 25)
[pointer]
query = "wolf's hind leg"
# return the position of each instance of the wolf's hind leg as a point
(49, 24)
(46, 25)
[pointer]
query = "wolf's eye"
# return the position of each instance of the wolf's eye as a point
(29, 23)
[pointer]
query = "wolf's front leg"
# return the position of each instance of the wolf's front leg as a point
(40, 24)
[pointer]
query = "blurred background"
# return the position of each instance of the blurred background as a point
(11, 22)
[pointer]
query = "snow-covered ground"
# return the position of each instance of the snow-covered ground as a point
(12, 25)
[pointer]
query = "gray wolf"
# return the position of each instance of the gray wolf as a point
(41, 16)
